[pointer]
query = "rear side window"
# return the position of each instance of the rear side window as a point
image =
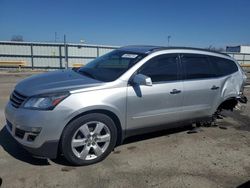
(196, 66)
(161, 68)
(223, 66)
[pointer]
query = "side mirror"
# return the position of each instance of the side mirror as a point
(141, 79)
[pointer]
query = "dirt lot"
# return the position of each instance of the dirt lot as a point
(213, 157)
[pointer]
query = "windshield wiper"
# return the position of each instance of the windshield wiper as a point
(84, 72)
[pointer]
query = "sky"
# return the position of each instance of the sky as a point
(195, 23)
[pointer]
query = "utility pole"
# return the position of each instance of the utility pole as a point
(169, 37)
(65, 52)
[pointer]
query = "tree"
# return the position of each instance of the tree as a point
(18, 38)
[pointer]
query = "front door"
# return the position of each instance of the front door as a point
(160, 103)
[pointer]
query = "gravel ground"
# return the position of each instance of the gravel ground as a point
(214, 157)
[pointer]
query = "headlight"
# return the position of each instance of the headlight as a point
(44, 102)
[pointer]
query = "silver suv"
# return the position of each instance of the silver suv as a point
(83, 114)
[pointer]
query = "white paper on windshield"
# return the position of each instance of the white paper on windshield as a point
(132, 56)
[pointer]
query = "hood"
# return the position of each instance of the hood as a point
(56, 81)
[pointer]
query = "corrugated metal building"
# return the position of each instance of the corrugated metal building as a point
(50, 55)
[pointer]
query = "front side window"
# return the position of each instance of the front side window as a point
(109, 67)
(161, 68)
(196, 66)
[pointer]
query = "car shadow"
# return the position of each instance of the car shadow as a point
(156, 134)
(244, 185)
(12, 147)
(61, 160)
(242, 119)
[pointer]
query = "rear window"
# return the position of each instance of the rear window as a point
(223, 66)
(196, 66)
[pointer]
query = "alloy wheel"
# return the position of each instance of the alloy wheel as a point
(90, 140)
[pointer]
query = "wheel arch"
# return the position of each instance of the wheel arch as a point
(112, 115)
(228, 104)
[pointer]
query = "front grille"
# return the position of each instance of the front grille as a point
(17, 99)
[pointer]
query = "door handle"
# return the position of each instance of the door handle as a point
(215, 87)
(175, 91)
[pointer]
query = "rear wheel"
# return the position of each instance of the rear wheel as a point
(88, 139)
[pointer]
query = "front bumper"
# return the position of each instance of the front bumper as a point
(47, 150)
(37, 131)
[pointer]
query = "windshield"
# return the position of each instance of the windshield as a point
(109, 67)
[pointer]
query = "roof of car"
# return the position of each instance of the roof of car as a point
(150, 49)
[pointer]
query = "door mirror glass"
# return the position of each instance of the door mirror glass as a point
(141, 79)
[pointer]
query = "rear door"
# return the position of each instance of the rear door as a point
(160, 103)
(201, 86)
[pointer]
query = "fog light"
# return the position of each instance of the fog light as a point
(31, 138)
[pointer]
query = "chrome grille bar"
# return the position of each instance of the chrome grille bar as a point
(17, 99)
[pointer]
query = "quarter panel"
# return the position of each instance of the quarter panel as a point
(231, 86)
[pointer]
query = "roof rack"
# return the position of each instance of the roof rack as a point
(150, 49)
(186, 48)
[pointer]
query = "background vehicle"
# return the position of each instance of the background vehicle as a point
(84, 114)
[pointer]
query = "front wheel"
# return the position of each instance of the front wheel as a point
(88, 139)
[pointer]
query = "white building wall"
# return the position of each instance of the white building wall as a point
(245, 49)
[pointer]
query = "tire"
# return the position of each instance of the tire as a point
(88, 139)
